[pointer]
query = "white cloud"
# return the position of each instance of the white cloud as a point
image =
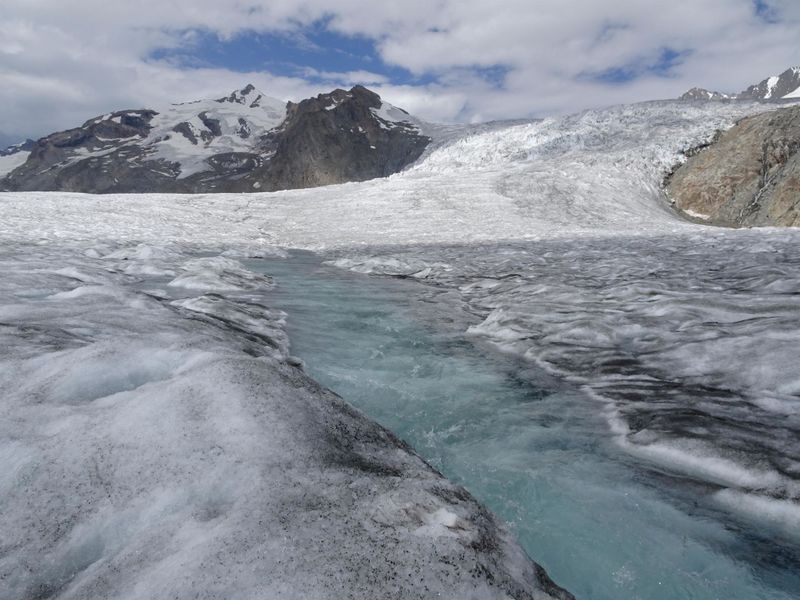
(63, 62)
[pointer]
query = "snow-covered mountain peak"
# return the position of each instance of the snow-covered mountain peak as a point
(697, 93)
(261, 112)
(249, 96)
(389, 116)
(188, 134)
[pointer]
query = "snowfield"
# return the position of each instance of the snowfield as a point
(159, 441)
(686, 342)
(12, 161)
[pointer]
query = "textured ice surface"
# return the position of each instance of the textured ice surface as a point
(158, 446)
(218, 274)
(688, 342)
(536, 448)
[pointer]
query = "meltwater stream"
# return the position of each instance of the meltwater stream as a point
(534, 449)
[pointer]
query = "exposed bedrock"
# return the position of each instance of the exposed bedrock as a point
(749, 176)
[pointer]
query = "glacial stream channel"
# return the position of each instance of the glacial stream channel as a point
(532, 448)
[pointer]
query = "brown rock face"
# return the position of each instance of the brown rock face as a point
(749, 176)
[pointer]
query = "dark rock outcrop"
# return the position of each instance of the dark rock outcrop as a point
(749, 176)
(333, 138)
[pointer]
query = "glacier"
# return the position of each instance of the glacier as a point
(160, 437)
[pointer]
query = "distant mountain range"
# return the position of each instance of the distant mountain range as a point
(243, 142)
(785, 86)
(249, 142)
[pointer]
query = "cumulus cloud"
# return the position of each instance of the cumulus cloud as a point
(64, 62)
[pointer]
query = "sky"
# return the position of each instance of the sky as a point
(65, 61)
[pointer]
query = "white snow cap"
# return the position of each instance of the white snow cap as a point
(390, 117)
(228, 124)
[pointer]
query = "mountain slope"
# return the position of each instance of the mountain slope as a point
(246, 141)
(750, 176)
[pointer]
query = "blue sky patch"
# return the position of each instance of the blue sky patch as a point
(495, 75)
(307, 53)
(663, 66)
(765, 12)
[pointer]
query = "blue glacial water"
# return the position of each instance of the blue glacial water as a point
(534, 449)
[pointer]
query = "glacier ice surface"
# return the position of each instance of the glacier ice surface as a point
(162, 445)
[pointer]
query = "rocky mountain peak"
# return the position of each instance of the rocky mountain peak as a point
(356, 96)
(247, 96)
(343, 135)
(367, 96)
(697, 93)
